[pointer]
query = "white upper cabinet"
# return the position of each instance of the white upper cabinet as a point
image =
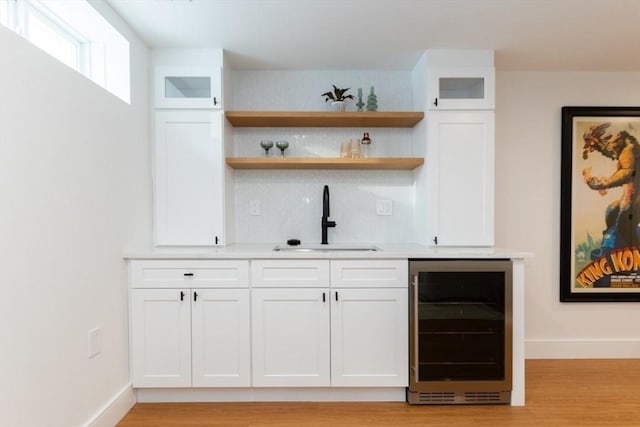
(454, 203)
(188, 87)
(461, 176)
(189, 178)
(464, 88)
(458, 79)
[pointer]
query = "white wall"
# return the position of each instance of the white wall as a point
(75, 192)
(528, 141)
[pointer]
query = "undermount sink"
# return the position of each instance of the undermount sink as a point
(325, 248)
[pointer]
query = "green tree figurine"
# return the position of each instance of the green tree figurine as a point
(372, 101)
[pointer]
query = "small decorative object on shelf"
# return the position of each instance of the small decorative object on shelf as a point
(372, 101)
(365, 142)
(360, 104)
(345, 150)
(282, 145)
(266, 144)
(338, 97)
(355, 149)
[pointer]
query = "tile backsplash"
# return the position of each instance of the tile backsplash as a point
(291, 205)
(291, 200)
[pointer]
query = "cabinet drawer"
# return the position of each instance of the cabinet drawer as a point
(189, 273)
(370, 273)
(285, 273)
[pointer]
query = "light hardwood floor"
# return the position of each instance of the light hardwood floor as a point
(558, 393)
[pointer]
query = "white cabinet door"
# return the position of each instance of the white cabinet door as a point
(161, 338)
(466, 88)
(290, 337)
(189, 178)
(220, 338)
(461, 178)
(187, 87)
(369, 337)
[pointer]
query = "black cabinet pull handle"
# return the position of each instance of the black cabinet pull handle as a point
(181, 296)
(216, 240)
(435, 102)
(188, 274)
(215, 101)
(435, 240)
(336, 295)
(324, 297)
(195, 296)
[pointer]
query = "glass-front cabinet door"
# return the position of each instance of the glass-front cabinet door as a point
(187, 87)
(461, 88)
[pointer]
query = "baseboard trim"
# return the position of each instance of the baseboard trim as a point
(115, 409)
(614, 348)
(268, 394)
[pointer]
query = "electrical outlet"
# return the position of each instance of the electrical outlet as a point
(254, 207)
(95, 342)
(384, 207)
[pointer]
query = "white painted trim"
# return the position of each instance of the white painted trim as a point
(114, 410)
(587, 348)
(336, 394)
(518, 347)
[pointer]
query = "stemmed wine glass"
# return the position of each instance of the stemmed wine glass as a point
(282, 145)
(266, 145)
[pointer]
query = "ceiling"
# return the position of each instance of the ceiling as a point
(584, 35)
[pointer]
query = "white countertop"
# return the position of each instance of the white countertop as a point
(387, 251)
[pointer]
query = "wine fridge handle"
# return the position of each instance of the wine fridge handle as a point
(414, 297)
(414, 292)
(413, 329)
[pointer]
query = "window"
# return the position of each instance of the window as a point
(4, 13)
(53, 36)
(77, 35)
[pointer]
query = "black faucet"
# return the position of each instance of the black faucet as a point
(325, 215)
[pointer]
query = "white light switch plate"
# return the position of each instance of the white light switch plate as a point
(95, 342)
(254, 207)
(384, 207)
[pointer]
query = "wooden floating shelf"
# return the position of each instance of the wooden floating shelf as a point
(323, 119)
(398, 163)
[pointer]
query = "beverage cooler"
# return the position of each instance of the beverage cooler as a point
(460, 331)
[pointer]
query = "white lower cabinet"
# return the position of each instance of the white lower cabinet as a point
(369, 337)
(315, 337)
(160, 338)
(190, 338)
(290, 334)
(323, 327)
(190, 323)
(220, 338)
